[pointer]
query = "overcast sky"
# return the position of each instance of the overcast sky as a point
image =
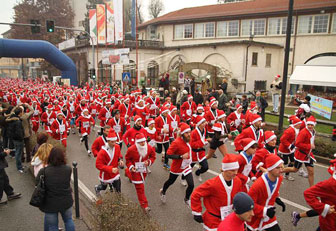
(6, 11)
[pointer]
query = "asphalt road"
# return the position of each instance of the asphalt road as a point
(175, 215)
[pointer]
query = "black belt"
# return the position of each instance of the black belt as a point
(302, 152)
(198, 150)
(215, 215)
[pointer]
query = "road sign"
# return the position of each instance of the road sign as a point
(126, 76)
(180, 77)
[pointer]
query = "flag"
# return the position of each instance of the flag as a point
(93, 26)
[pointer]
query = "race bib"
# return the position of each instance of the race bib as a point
(166, 126)
(247, 169)
(152, 107)
(86, 124)
(62, 128)
(93, 111)
(174, 124)
(189, 112)
(36, 112)
(213, 121)
(225, 211)
(152, 143)
(108, 115)
(72, 108)
(117, 128)
(237, 122)
(140, 167)
(185, 163)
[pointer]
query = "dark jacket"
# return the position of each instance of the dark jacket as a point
(222, 100)
(3, 161)
(223, 86)
(58, 190)
(198, 98)
(15, 128)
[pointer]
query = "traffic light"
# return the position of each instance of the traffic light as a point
(35, 29)
(50, 26)
(93, 73)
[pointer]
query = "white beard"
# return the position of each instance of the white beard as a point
(142, 149)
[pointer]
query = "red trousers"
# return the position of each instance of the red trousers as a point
(140, 189)
(36, 125)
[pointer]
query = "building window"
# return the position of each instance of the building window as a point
(227, 28)
(254, 27)
(278, 26)
(260, 85)
(284, 25)
(152, 73)
(205, 30)
(313, 24)
(183, 31)
(333, 29)
(254, 59)
(268, 60)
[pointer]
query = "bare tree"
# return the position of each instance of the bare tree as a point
(155, 7)
(139, 9)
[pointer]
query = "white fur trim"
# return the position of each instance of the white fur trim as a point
(221, 116)
(249, 145)
(186, 130)
(256, 120)
(140, 140)
(111, 138)
(275, 165)
(325, 210)
(151, 122)
(138, 120)
(217, 129)
(230, 166)
(311, 122)
(271, 138)
(196, 213)
(200, 122)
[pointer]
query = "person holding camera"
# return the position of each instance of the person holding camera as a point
(276, 87)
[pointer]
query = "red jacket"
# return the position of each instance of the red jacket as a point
(86, 123)
(118, 127)
(303, 143)
(260, 156)
(80, 109)
(215, 194)
(187, 109)
(287, 140)
(151, 136)
(198, 141)
(59, 130)
(211, 118)
(174, 123)
(133, 158)
(154, 105)
(250, 132)
(129, 136)
(178, 166)
(320, 197)
(263, 199)
(142, 112)
(244, 171)
(160, 124)
(235, 120)
(97, 145)
(107, 159)
(104, 115)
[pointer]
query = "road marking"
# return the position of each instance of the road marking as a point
(322, 166)
(85, 190)
(283, 199)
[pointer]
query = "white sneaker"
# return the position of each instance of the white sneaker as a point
(148, 210)
(303, 173)
(289, 178)
(187, 202)
(89, 153)
(148, 170)
(300, 171)
(162, 196)
(183, 182)
(199, 178)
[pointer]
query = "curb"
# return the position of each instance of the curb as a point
(322, 160)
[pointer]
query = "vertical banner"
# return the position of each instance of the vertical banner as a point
(101, 23)
(110, 22)
(93, 26)
(118, 19)
(133, 19)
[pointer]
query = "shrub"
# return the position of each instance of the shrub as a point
(115, 212)
(55, 143)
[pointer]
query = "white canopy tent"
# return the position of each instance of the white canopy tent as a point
(314, 75)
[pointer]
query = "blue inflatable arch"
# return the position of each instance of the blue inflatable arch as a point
(16, 48)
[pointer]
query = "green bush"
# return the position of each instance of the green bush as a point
(115, 212)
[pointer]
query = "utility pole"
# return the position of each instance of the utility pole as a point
(285, 69)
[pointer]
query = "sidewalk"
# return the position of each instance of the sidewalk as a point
(18, 214)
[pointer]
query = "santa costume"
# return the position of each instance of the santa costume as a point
(141, 111)
(174, 122)
(35, 119)
(162, 134)
(154, 104)
(48, 118)
(86, 122)
(187, 109)
(151, 134)
(59, 129)
(236, 119)
(105, 114)
(107, 162)
(126, 112)
(217, 195)
(211, 117)
(138, 157)
(118, 125)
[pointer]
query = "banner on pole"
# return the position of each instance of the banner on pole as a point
(181, 78)
(117, 56)
(321, 106)
(93, 26)
(109, 22)
(101, 23)
(118, 20)
(133, 14)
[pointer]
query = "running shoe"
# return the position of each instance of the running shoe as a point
(166, 166)
(162, 196)
(183, 182)
(187, 202)
(295, 218)
(287, 177)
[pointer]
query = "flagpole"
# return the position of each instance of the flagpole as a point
(136, 40)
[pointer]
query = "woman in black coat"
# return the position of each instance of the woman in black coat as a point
(58, 199)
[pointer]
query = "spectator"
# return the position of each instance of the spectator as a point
(213, 93)
(58, 191)
(16, 132)
(166, 94)
(276, 89)
(173, 95)
(143, 90)
(41, 157)
(244, 103)
(192, 86)
(187, 82)
(166, 86)
(224, 85)
(7, 140)
(262, 104)
(25, 118)
(222, 100)
(4, 180)
(198, 98)
(184, 96)
(41, 138)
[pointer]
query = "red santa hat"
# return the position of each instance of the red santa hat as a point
(200, 120)
(150, 121)
(221, 114)
(190, 97)
(294, 120)
(213, 103)
(200, 107)
(108, 101)
(311, 120)
(253, 105)
(269, 136)
(332, 167)
(238, 106)
(112, 136)
(277, 76)
(140, 137)
(151, 92)
(247, 143)
(50, 107)
(137, 118)
(255, 118)
(212, 99)
(173, 108)
(184, 128)
(59, 113)
(87, 98)
(230, 162)
(164, 109)
(273, 161)
(217, 127)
